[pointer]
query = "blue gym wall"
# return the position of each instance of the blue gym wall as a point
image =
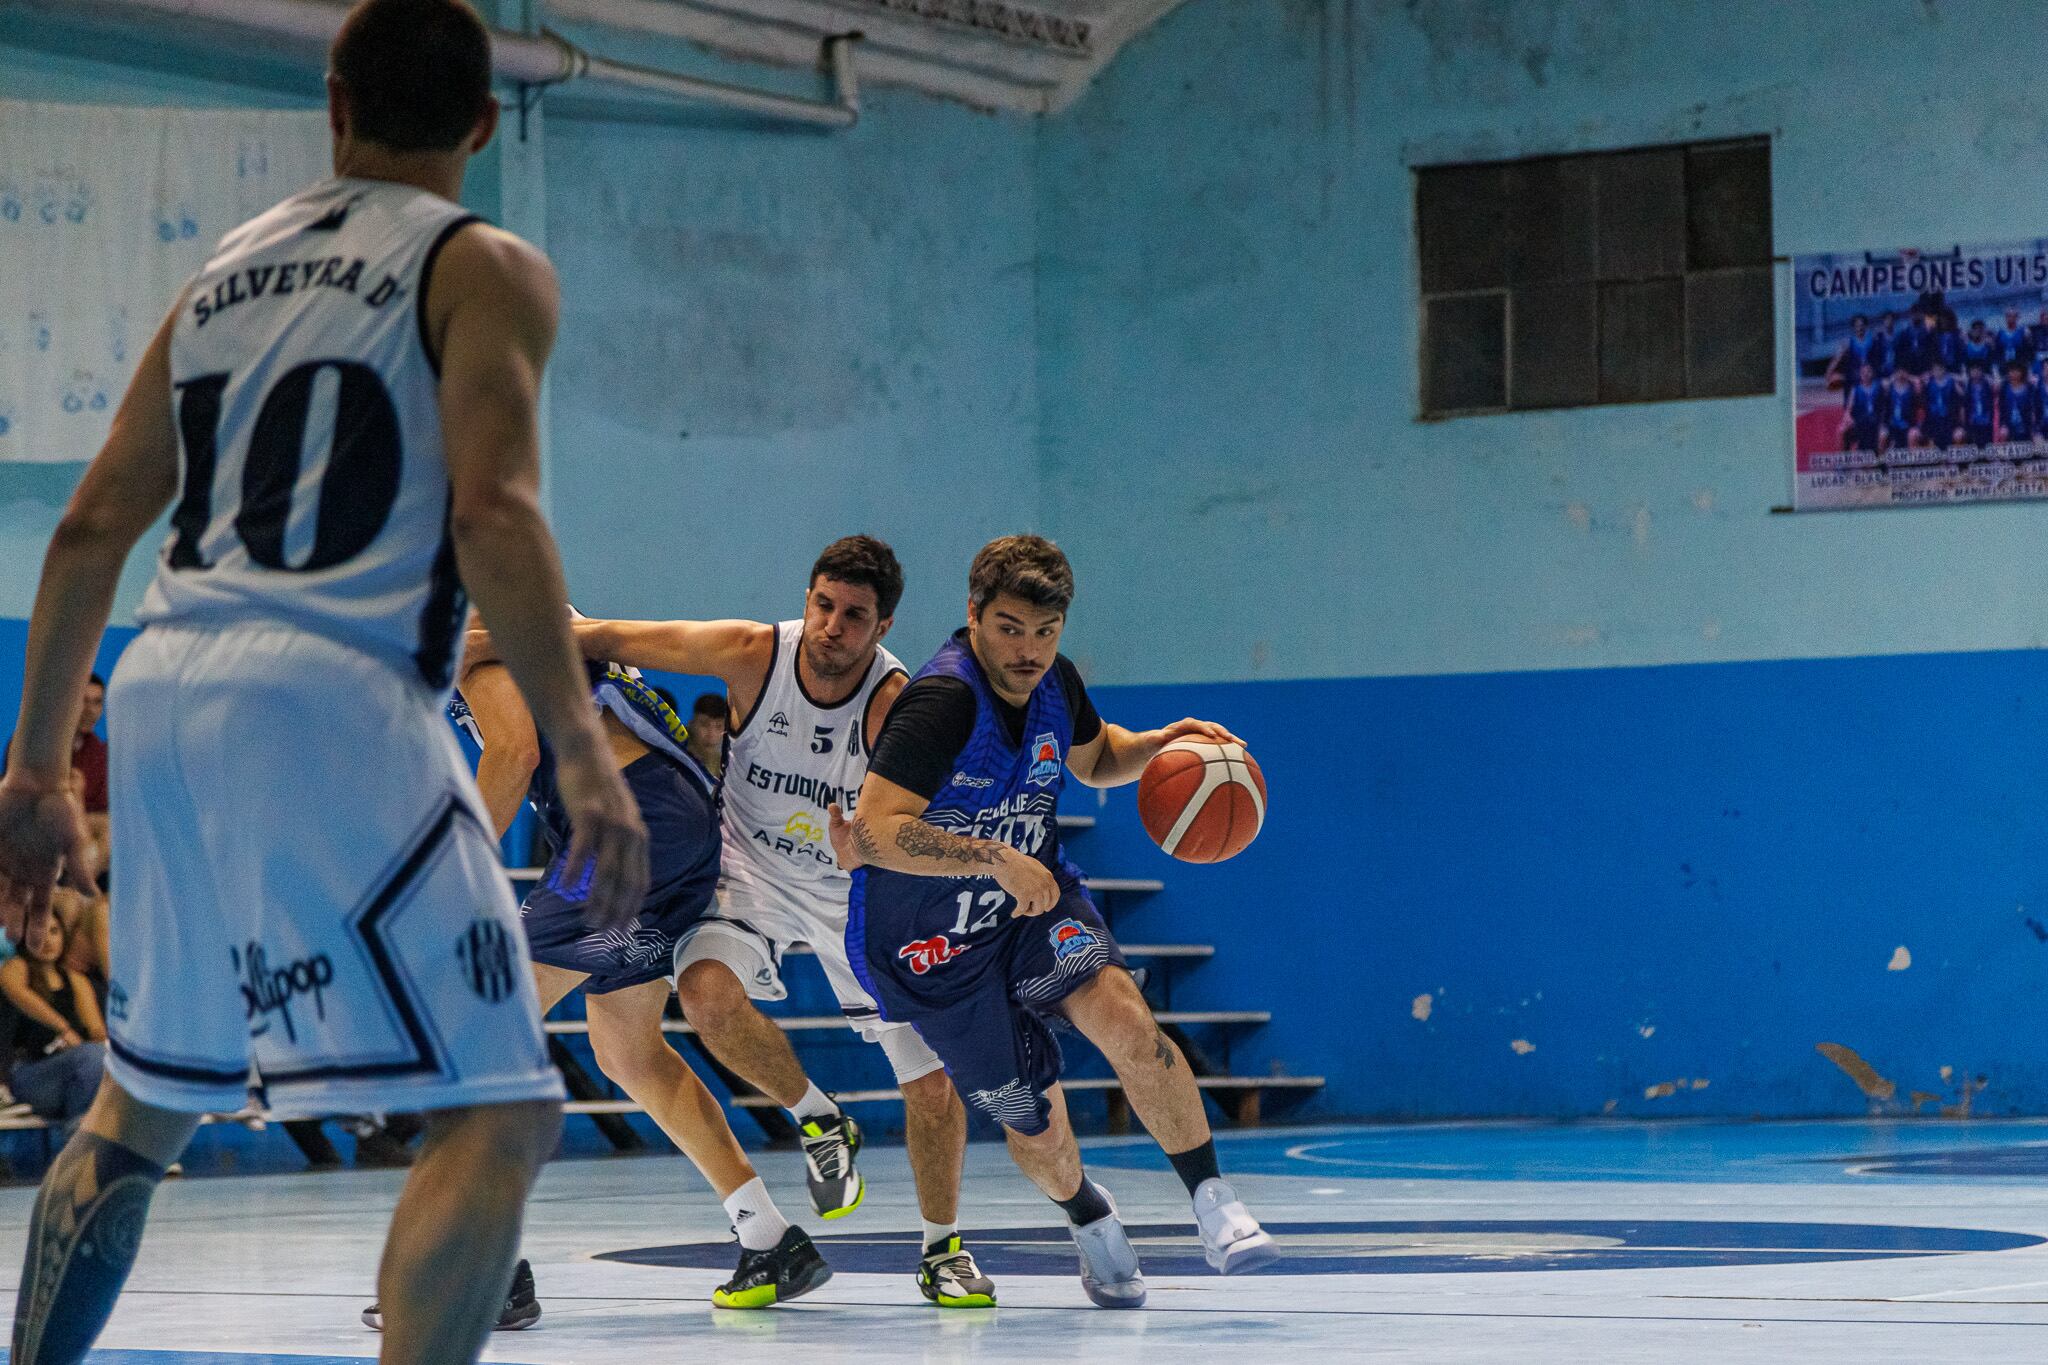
(1566, 732)
(1576, 738)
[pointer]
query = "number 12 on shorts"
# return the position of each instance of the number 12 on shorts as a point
(991, 903)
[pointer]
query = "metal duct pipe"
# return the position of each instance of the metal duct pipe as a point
(545, 60)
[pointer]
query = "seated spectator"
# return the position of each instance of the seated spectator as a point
(60, 1040)
(87, 942)
(707, 732)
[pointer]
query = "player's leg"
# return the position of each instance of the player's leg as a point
(380, 953)
(519, 1307)
(935, 1136)
(456, 1229)
(1111, 1014)
(173, 1011)
(722, 965)
(86, 1225)
(934, 1128)
(1045, 1150)
(777, 1261)
(553, 984)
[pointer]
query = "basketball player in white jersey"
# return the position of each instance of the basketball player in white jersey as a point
(307, 882)
(806, 698)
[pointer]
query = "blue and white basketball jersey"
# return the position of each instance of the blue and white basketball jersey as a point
(1001, 790)
(313, 490)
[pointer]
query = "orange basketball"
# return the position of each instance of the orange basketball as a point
(1201, 801)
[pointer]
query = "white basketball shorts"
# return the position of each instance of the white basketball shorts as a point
(757, 917)
(304, 882)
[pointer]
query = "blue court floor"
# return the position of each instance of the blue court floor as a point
(1866, 1241)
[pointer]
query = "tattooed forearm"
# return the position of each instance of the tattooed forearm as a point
(921, 840)
(864, 840)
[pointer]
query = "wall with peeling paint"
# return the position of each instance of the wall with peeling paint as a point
(1228, 369)
(1669, 885)
(771, 339)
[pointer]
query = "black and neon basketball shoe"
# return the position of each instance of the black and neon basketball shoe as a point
(830, 1145)
(765, 1278)
(521, 1310)
(948, 1277)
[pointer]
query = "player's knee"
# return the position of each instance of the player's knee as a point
(930, 1095)
(711, 996)
(519, 1136)
(633, 1060)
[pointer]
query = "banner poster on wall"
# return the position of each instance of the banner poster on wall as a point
(1922, 376)
(105, 213)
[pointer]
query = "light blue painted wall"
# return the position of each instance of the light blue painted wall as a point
(41, 60)
(1228, 341)
(771, 339)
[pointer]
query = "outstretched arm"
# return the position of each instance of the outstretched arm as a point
(127, 486)
(1117, 756)
(511, 744)
(492, 310)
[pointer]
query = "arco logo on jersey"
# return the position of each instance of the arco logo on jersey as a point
(926, 953)
(1045, 760)
(802, 837)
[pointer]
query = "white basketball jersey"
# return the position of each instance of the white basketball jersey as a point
(789, 761)
(313, 490)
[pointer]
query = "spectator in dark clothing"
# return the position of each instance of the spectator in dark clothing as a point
(88, 750)
(60, 1041)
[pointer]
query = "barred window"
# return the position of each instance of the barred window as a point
(1610, 277)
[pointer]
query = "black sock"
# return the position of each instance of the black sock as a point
(82, 1240)
(1087, 1204)
(1195, 1165)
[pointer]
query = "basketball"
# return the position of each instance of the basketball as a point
(1201, 801)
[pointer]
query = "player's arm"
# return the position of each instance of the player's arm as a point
(720, 649)
(878, 707)
(890, 831)
(1105, 755)
(492, 308)
(727, 650)
(87, 1004)
(927, 727)
(14, 985)
(511, 744)
(124, 490)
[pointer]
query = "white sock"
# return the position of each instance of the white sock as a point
(815, 1104)
(755, 1218)
(935, 1233)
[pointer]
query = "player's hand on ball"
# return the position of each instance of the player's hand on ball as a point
(1034, 888)
(1195, 729)
(42, 833)
(610, 842)
(840, 831)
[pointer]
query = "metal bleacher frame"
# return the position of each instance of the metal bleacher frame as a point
(1241, 1097)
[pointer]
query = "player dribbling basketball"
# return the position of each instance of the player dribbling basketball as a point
(967, 920)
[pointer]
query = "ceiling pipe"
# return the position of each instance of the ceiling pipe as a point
(542, 60)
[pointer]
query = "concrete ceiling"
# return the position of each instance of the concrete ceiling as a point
(1034, 56)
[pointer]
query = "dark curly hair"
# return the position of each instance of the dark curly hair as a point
(1030, 567)
(866, 562)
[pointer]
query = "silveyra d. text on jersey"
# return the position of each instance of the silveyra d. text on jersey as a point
(258, 281)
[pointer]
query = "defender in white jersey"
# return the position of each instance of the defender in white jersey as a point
(807, 699)
(346, 395)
